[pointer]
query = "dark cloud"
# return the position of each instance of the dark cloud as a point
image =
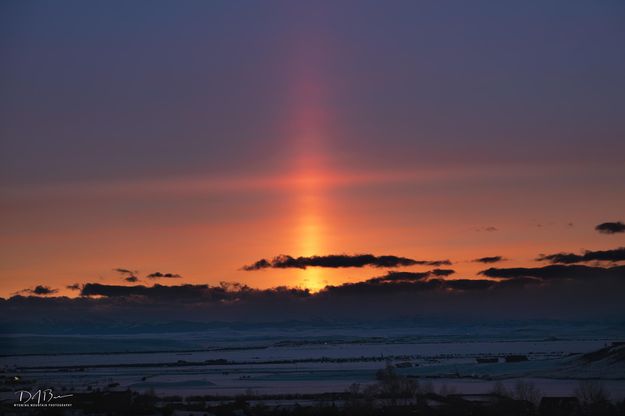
(442, 272)
(129, 275)
(614, 255)
(489, 229)
(406, 282)
(381, 286)
(521, 294)
(43, 290)
(260, 264)
(340, 261)
(394, 276)
(391, 282)
(556, 272)
(514, 278)
(74, 286)
(126, 271)
(611, 227)
(186, 292)
(39, 290)
(552, 290)
(493, 259)
(156, 291)
(159, 275)
(403, 283)
(435, 263)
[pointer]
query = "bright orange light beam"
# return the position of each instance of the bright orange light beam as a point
(310, 153)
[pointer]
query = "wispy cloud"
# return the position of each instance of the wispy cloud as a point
(492, 259)
(39, 290)
(159, 275)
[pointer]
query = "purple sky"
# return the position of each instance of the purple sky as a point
(197, 137)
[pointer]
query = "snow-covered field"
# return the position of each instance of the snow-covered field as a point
(314, 360)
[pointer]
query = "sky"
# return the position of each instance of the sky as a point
(196, 138)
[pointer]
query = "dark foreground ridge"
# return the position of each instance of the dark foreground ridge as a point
(391, 394)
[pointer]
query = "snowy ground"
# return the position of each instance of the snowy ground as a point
(312, 360)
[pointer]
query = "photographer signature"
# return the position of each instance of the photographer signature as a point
(40, 396)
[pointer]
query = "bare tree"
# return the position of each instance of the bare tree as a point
(527, 391)
(590, 392)
(500, 389)
(393, 386)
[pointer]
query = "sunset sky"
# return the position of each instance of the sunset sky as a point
(196, 138)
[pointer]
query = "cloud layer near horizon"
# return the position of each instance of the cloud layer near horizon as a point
(555, 291)
(340, 261)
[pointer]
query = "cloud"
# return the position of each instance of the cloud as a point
(614, 255)
(392, 281)
(156, 291)
(488, 229)
(406, 282)
(73, 286)
(260, 264)
(39, 290)
(442, 272)
(126, 271)
(575, 272)
(394, 276)
(381, 286)
(611, 227)
(159, 275)
(418, 297)
(577, 291)
(340, 261)
(493, 259)
(129, 275)
(186, 292)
